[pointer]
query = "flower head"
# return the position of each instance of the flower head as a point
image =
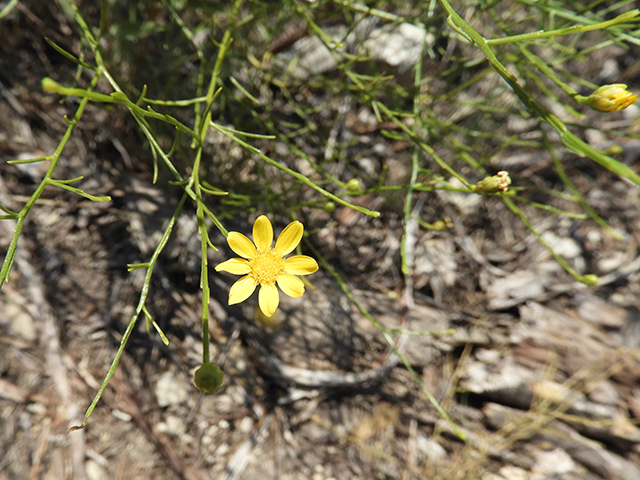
(499, 183)
(610, 98)
(265, 266)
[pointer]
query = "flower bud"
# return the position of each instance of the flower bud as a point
(208, 378)
(610, 98)
(353, 185)
(614, 149)
(499, 183)
(49, 85)
(441, 225)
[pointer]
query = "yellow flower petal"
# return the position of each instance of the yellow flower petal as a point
(289, 238)
(262, 233)
(241, 290)
(300, 265)
(241, 245)
(268, 299)
(237, 266)
(291, 285)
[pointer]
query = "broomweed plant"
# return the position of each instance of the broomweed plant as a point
(520, 50)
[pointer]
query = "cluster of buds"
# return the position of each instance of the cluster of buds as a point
(609, 98)
(499, 183)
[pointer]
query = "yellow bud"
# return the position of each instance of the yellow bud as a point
(208, 378)
(610, 98)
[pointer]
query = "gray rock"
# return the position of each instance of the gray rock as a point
(600, 312)
(396, 45)
(170, 390)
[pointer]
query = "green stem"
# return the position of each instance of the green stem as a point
(570, 140)
(139, 309)
(576, 193)
(625, 17)
(293, 173)
(22, 215)
(418, 141)
(589, 279)
(118, 98)
(547, 71)
(195, 181)
(406, 270)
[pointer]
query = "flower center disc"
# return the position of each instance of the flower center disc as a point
(266, 266)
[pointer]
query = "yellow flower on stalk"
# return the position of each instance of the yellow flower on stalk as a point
(265, 266)
(610, 98)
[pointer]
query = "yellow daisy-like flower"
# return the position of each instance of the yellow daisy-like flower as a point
(265, 266)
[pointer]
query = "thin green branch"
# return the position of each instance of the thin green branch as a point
(293, 173)
(568, 138)
(589, 279)
(22, 215)
(140, 308)
(623, 18)
(414, 163)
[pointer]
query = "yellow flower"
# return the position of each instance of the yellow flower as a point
(611, 98)
(265, 266)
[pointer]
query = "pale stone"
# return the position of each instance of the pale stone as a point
(565, 247)
(172, 425)
(245, 425)
(94, 471)
(430, 448)
(170, 390)
(551, 463)
(21, 322)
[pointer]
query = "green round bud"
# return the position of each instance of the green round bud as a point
(49, 84)
(439, 226)
(329, 207)
(353, 185)
(614, 150)
(590, 279)
(208, 378)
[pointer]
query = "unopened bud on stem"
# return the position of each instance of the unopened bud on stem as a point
(499, 183)
(208, 378)
(609, 98)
